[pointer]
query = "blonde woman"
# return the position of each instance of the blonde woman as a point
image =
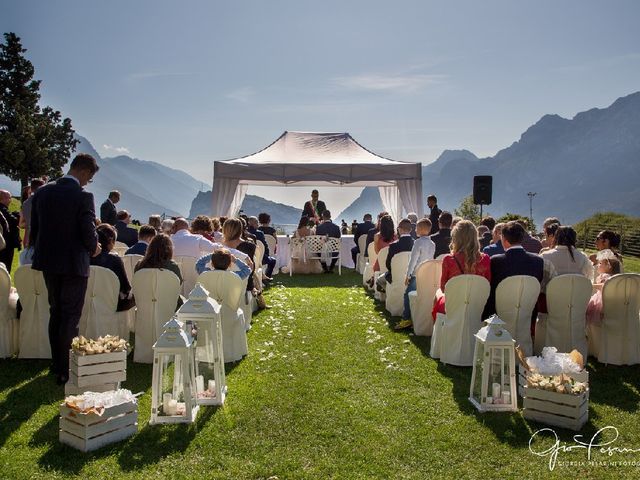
(465, 258)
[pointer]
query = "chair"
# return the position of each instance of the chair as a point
(367, 273)
(272, 242)
(8, 321)
(428, 276)
(516, 297)
(564, 326)
(257, 260)
(189, 273)
(156, 292)
(130, 262)
(34, 319)
(227, 289)
(361, 259)
(453, 338)
(617, 340)
(382, 262)
(120, 248)
(332, 249)
(296, 251)
(394, 302)
(99, 317)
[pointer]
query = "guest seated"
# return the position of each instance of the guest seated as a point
(608, 265)
(167, 226)
(233, 231)
(361, 229)
(145, 235)
(422, 251)
(156, 222)
(403, 244)
(201, 225)
(217, 229)
(496, 241)
(269, 261)
(330, 229)
(484, 236)
(413, 218)
(187, 244)
(159, 254)
(442, 238)
(465, 258)
(372, 232)
(265, 225)
(529, 243)
(107, 240)
(608, 239)
(298, 263)
(565, 257)
(222, 259)
(383, 238)
(126, 235)
(548, 241)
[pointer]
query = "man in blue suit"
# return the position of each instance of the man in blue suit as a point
(63, 234)
(269, 261)
(495, 247)
(362, 229)
(145, 235)
(330, 229)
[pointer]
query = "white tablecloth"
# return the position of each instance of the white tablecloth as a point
(282, 255)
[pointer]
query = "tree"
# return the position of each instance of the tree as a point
(34, 141)
(507, 217)
(468, 210)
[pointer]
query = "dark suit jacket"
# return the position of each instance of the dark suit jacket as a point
(126, 234)
(370, 234)
(328, 228)
(12, 237)
(442, 239)
(433, 216)
(485, 240)
(139, 248)
(403, 244)
(515, 261)
(259, 234)
(114, 263)
(362, 229)
(494, 249)
(309, 211)
(63, 228)
(108, 213)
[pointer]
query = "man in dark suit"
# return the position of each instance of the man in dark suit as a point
(126, 234)
(362, 229)
(515, 261)
(330, 229)
(63, 234)
(145, 235)
(314, 208)
(403, 244)
(108, 212)
(434, 215)
(12, 235)
(269, 261)
(529, 243)
(442, 239)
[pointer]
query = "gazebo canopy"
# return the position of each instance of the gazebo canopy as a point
(301, 158)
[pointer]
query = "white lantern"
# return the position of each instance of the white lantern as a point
(203, 313)
(173, 397)
(493, 381)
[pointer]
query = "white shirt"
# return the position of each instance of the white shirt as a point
(563, 263)
(423, 249)
(187, 244)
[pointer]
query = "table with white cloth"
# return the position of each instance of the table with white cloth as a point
(282, 255)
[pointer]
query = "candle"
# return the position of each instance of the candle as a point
(506, 397)
(199, 383)
(172, 407)
(212, 386)
(489, 400)
(495, 391)
(166, 398)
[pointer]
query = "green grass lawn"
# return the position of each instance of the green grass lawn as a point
(328, 390)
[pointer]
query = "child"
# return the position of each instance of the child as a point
(608, 265)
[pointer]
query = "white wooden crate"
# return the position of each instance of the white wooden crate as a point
(90, 431)
(98, 369)
(553, 408)
(582, 376)
(72, 389)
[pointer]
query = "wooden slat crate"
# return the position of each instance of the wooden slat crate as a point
(559, 409)
(71, 389)
(582, 376)
(90, 431)
(98, 369)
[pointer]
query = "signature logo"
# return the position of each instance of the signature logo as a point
(595, 444)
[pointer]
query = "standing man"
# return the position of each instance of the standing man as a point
(12, 235)
(314, 208)
(108, 212)
(432, 203)
(63, 234)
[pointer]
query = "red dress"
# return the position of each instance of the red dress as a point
(380, 244)
(450, 269)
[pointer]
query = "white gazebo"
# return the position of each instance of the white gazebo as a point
(301, 158)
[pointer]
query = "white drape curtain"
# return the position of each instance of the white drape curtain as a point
(225, 193)
(238, 198)
(411, 196)
(391, 201)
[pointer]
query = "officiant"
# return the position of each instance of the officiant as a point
(314, 208)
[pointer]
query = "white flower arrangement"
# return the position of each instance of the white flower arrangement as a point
(558, 383)
(106, 344)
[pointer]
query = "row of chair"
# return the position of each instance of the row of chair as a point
(315, 247)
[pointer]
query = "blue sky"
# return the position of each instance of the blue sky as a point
(186, 83)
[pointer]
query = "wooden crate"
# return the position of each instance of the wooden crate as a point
(87, 432)
(582, 376)
(98, 369)
(72, 389)
(553, 408)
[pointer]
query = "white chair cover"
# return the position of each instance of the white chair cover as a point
(361, 260)
(8, 322)
(34, 319)
(382, 262)
(228, 290)
(516, 298)
(156, 292)
(271, 243)
(453, 338)
(120, 248)
(427, 283)
(100, 302)
(564, 326)
(394, 302)
(189, 273)
(296, 251)
(617, 340)
(332, 250)
(368, 268)
(130, 262)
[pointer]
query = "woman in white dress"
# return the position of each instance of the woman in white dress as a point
(298, 262)
(565, 257)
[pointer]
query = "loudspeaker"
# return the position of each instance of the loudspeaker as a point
(482, 189)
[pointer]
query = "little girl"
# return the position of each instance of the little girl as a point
(608, 265)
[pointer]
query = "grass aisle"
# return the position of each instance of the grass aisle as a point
(327, 391)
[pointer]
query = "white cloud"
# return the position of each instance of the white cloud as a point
(391, 83)
(118, 150)
(242, 95)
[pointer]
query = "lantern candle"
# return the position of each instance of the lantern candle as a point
(506, 397)
(172, 407)
(495, 390)
(212, 386)
(166, 398)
